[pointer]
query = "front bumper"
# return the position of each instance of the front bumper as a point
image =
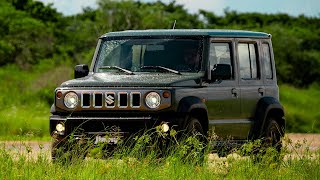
(91, 126)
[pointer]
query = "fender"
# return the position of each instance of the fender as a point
(186, 105)
(264, 106)
(53, 109)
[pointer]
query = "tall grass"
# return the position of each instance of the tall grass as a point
(301, 108)
(26, 97)
(143, 164)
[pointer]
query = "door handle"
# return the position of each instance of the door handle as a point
(261, 91)
(234, 92)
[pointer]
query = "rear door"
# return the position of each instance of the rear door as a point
(250, 81)
(268, 67)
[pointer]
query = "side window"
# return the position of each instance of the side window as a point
(220, 54)
(267, 60)
(248, 60)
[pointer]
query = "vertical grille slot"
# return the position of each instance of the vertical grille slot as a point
(135, 99)
(110, 99)
(97, 100)
(123, 99)
(85, 99)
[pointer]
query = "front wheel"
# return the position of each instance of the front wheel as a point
(66, 150)
(57, 148)
(194, 127)
(196, 142)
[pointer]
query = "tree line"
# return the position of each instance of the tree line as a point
(32, 31)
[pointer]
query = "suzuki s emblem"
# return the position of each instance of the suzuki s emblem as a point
(110, 99)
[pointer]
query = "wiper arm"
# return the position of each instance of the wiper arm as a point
(117, 67)
(162, 68)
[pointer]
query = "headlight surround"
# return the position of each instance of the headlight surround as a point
(71, 100)
(153, 100)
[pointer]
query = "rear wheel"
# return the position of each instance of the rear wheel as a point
(273, 134)
(271, 138)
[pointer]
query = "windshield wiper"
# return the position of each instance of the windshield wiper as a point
(162, 68)
(118, 68)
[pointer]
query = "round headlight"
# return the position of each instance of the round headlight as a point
(153, 100)
(71, 100)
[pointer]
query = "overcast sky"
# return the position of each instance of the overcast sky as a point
(291, 7)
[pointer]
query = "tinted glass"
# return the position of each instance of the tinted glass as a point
(220, 54)
(248, 61)
(179, 54)
(267, 61)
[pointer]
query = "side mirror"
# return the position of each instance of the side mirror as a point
(81, 70)
(221, 72)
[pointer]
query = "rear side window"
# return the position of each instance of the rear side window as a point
(248, 60)
(266, 58)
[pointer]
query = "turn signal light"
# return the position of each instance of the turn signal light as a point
(59, 94)
(166, 94)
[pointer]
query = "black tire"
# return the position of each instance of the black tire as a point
(273, 134)
(271, 137)
(194, 127)
(57, 148)
(65, 151)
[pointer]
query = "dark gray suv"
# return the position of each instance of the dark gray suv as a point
(221, 81)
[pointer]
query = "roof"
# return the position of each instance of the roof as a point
(188, 32)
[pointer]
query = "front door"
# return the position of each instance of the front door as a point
(223, 97)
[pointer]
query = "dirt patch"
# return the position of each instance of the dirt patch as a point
(301, 142)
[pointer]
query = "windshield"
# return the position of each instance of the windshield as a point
(150, 55)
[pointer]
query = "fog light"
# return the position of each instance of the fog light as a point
(165, 127)
(60, 127)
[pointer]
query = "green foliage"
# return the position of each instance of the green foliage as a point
(26, 97)
(25, 39)
(301, 108)
(37, 10)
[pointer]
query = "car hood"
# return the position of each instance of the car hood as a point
(137, 80)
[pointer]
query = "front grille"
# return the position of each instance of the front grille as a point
(85, 99)
(135, 100)
(123, 100)
(97, 100)
(110, 100)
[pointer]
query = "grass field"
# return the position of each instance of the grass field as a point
(184, 161)
(26, 97)
(301, 108)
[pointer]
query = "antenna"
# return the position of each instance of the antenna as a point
(174, 24)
